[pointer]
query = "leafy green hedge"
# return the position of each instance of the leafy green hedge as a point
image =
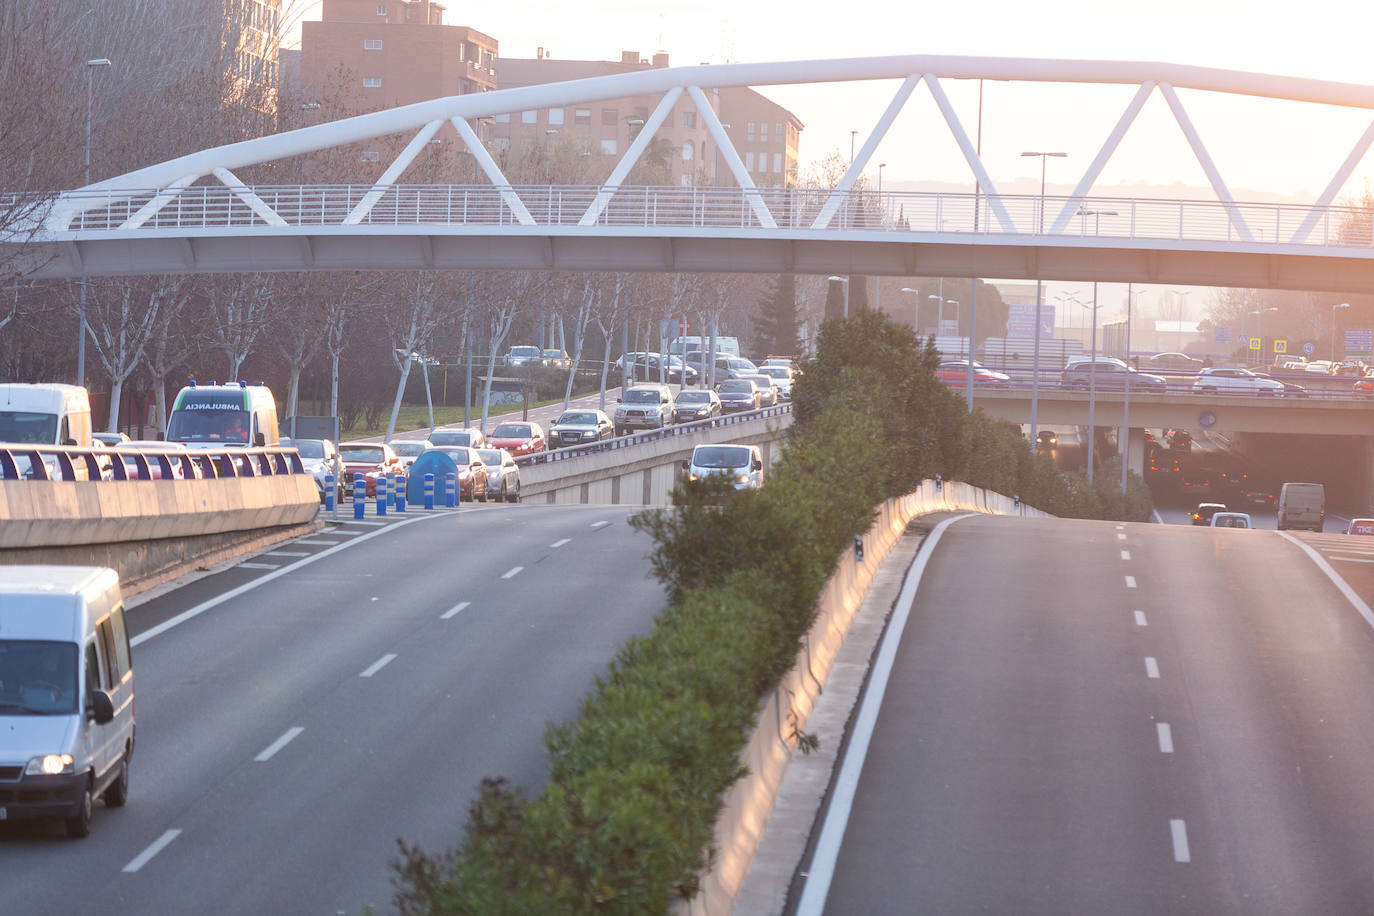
(625, 822)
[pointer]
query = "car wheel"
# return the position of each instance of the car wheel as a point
(620, 431)
(79, 824)
(118, 792)
(513, 497)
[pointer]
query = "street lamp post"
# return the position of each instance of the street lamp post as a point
(852, 135)
(1338, 305)
(1259, 327)
(1035, 358)
(1092, 372)
(1125, 448)
(915, 307)
(81, 329)
(940, 312)
(1182, 297)
(845, 281)
(549, 134)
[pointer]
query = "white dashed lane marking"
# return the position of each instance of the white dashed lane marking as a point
(1151, 667)
(1130, 581)
(600, 524)
(1125, 554)
(512, 572)
(156, 847)
(286, 738)
(286, 553)
(456, 609)
(561, 542)
(378, 665)
(259, 566)
(1179, 831)
(1140, 619)
(1166, 737)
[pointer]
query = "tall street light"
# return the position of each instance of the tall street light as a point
(940, 312)
(1092, 372)
(1035, 358)
(878, 281)
(915, 307)
(81, 329)
(845, 281)
(1338, 305)
(957, 316)
(549, 134)
(1125, 448)
(1182, 298)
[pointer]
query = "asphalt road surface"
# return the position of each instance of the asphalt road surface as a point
(1123, 718)
(358, 693)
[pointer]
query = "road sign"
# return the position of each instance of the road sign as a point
(1308, 349)
(1280, 346)
(1256, 343)
(1221, 335)
(1359, 342)
(1207, 419)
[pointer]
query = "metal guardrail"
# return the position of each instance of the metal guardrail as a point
(107, 464)
(720, 208)
(653, 435)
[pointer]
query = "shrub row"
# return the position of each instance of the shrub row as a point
(625, 823)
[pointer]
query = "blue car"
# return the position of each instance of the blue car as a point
(738, 394)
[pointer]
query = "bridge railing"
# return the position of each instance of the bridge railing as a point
(716, 208)
(57, 462)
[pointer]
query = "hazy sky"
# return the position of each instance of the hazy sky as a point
(1278, 148)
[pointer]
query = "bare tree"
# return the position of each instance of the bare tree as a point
(422, 307)
(121, 316)
(239, 305)
(609, 316)
(507, 295)
(169, 341)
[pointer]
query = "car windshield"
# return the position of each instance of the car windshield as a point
(578, 418)
(22, 426)
(694, 397)
(359, 453)
(736, 386)
(450, 437)
(641, 396)
(773, 371)
(556, 353)
(208, 424)
(410, 448)
(721, 456)
(309, 448)
(524, 351)
(762, 381)
(512, 431)
(37, 677)
(490, 456)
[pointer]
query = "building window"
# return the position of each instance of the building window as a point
(609, 147)
(582, 116)
(778, 130)
(749, 161)
(372, 44)
(555, 116)
(689, 120)
(687, 151)
(502, 118)
(610, 116)
(381, 9)
(372, 82)
(371, 156)
(763, 131)
(529, 117)
(749, 131)
(763, 163)
(777, 162)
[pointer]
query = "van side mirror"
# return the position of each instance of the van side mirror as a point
(757, 464)
(102, 707)
(259, 439)
(686, 463)
(69, 441)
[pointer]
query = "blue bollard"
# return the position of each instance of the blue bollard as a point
(330, 486)
(451, 490)
(400, 494)
(381, 496)
(359, 496)
(391, 489)
(429, 491)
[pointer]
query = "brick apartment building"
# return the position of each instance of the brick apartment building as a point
(765, 134)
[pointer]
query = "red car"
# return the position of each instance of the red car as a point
(1364, 385)
(370, 459)
(956, 373)
(523, 438)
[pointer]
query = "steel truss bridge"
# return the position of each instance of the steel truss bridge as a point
(194, 215)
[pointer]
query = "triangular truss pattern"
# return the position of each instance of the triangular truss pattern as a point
(164, 183)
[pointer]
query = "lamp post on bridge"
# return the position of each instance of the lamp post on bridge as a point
(549, 134)
(1035, 359)
(81, 329)
(1092, 372)
(1126, 406)
(1338, 305)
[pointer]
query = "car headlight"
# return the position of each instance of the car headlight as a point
(693, 477)
(741, 478)
(49, 765)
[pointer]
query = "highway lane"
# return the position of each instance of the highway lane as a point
(1126, 718)
(288, 736)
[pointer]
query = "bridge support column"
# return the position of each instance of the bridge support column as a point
(1135, 449)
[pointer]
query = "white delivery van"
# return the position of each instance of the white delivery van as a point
(236, 415)
(66, 694)
(1302, 505)
(742, 465)
(45, 414)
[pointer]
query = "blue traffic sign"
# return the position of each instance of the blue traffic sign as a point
(1308, 348)
(1207, 419)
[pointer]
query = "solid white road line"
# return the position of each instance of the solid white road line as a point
(1349, 559)
(1125, 554)
(157, 846)
(259, 566)
(378, 665)
(344, 534)
(317, 543)
(286, 553)
(1151, 667)
(287, 737)
(512, 572)
(561, 542)
(1166, 737)
(1179, 831)
(263, 580)
(600, 524)
(456, 609)
(847, 783)
(1140, 619)
(1360, 607)
(358, 521)
(1130, 581)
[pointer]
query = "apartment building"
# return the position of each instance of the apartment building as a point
(764, 133)
(366, 55)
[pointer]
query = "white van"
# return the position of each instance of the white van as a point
(1302, 505)
(741, 464)
(45, 414)
(236, 415)
(66, 694)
